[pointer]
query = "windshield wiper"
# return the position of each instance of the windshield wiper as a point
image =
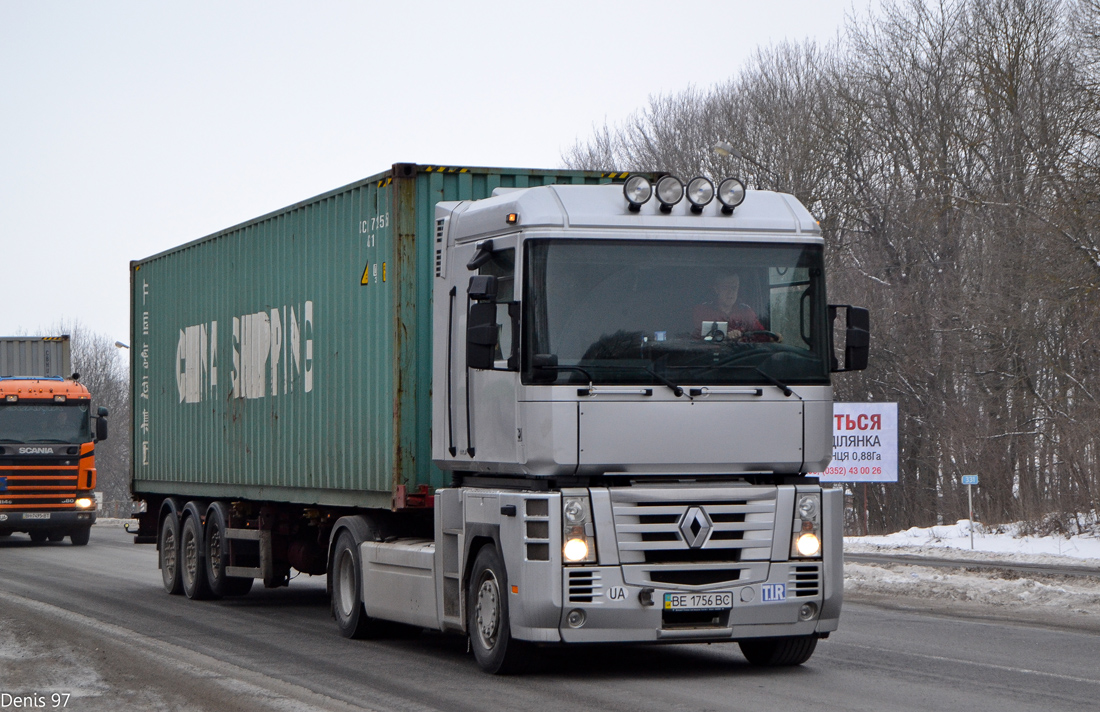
(776, 382)
(656, 376)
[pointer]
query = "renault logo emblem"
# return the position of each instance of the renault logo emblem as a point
(695, 527)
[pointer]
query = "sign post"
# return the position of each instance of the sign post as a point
(970, 481)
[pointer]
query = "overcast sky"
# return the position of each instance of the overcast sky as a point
(129, 127)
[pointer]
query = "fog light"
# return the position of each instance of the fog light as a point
(807, 612)
(670, 190)
(637, 191)
(808, 545)
(84, 503)
(731, 193)
(700, 191)
(576, 618)
(575, 550)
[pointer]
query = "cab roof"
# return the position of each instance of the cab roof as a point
(42, 388)
(604, 206)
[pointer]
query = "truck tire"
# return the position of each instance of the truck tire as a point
(38, 536)
(192, 560)
(169, 552)
(778, 652)
(347, 596)
(56, 535)
(217, 556)
(80, 536)
(487, 619)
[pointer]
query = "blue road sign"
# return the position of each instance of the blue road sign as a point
(970, 479)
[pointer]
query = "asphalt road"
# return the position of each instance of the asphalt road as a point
(94, 623)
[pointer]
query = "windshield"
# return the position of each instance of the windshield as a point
(44, 423)
(691, 313)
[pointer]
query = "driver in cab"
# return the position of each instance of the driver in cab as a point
(740, 320)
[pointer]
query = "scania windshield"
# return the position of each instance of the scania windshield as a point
(44, 423)
(681, 313)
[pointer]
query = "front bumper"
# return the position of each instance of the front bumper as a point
(614, 611)
(38, 521)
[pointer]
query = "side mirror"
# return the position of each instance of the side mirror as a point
(101, 425)
(857, 337)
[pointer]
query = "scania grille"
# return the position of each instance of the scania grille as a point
(38, 487)
(696, 536)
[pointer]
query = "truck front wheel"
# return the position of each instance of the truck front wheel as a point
(169, 546)
(487, 619)
(778, 652)
(80, 536)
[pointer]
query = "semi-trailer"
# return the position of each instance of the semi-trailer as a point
(47, 442)
(533, 407)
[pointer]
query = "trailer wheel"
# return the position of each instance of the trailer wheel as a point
(192, 562)
(80, 536)
(778, 652)
(38, 536)
(487, 619)
(347, 602)
(169, 546)
(217, 557)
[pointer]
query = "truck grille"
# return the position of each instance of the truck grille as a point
(697, 536)
(41, 487)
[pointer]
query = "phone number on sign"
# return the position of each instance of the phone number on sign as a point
(853, 471)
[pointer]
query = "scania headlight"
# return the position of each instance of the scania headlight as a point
(578, 531)
(806, 530)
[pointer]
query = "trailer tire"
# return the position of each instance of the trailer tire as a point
(487, 620)
(80, 536)
(38, 536)
(347, 597)
(192, 562)
(168, 548)
(778, 652)
(217, 556)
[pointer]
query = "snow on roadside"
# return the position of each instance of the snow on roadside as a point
(1068, 597)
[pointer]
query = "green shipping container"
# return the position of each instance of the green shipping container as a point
(288, 359)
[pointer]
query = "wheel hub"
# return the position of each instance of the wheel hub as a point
(488, 611)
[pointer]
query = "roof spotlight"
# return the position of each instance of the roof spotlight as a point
(700, 191)
(670, 190)
(731, 193)
(637, 190)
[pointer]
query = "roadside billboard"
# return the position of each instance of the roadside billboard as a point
(865, 443)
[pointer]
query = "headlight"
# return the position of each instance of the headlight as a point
(670, 190)
(806, 530)
(575, 550)
(637, 190)
(577, 529)
(731, 193)
(700, 191)
(808, 544)
(84, 502)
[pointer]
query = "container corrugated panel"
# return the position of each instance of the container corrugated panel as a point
(289, 358)
(36, 356)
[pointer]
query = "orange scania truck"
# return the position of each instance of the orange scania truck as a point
(47, 442)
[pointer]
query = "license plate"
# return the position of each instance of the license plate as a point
(713, 601)
(36, 515)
